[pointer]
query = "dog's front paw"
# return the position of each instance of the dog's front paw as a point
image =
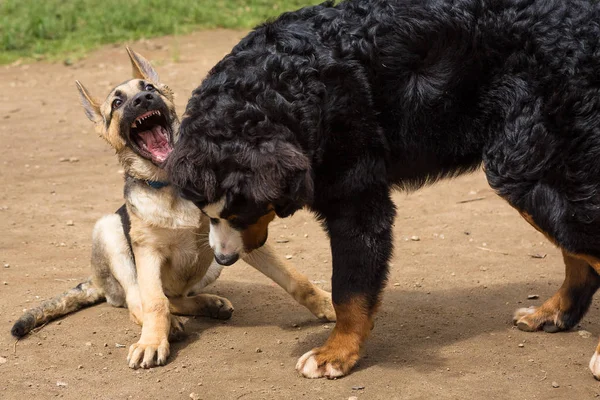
(321, 306)
(326, 362)
(148, 353)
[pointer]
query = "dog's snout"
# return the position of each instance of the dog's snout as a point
(143, 99)
(226, 259)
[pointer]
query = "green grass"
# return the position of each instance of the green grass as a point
(39, 29)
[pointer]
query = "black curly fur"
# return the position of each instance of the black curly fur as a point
(332, 106)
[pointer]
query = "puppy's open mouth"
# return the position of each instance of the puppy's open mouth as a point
(151, 134)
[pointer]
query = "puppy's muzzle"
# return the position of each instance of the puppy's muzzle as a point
(226, 259)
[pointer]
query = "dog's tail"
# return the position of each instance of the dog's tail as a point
(83, 295)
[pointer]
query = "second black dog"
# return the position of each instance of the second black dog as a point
(331, 107)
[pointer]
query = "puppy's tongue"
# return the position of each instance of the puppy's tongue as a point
(157, 143)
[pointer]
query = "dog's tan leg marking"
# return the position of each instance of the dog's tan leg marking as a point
(341, 350)
(205, 305)
(578, 275)
(153, 347)
(547, 316)
(318, 301)
(595, 361)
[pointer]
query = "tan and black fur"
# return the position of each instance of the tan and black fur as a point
(153, 255)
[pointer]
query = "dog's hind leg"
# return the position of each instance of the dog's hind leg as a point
(203, 305)
(318, 301)
(568, 305)
(553, 180)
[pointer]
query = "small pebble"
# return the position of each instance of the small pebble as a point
(119, 346)
(533, 297)
(6, 265)
(3, 360)
(521, 345)
(70, 222)
(80, 366)
(258, 350)
(555, 385)
(282, 240)
(585, 334)
(415, 238)
(352, 398)
(279, 341)
(396, 284)
(105, 344)
(289, 257)
(73, 159)
(88, 343)
(358, 387)
(194, 396)
(61, 384)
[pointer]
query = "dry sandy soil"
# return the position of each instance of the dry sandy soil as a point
(444, 331)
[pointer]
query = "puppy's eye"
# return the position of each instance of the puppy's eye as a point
(117, 103)
(149, 88)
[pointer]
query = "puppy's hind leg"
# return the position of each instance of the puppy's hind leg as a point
(203, 305)
(318, 301)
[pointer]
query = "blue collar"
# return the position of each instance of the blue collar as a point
(157, 184)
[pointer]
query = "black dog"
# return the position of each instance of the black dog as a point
(330, 107)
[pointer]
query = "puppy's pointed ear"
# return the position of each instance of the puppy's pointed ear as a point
(90, 105)
(141, 68)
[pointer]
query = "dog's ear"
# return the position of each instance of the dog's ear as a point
(90, 105)
(285, 179)
(141, 68)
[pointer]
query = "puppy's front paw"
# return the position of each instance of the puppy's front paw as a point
(318, 302)
(323, 306)
(148, 353)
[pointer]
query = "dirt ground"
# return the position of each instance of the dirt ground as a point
(444, 331)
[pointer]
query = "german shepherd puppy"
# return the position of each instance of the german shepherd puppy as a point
(153, 255)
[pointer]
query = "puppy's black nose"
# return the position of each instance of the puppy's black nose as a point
(143, 99)
(226, 259)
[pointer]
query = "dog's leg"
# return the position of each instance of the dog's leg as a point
(113, 266)
(153, 347)
(318, 301)
(204, 305)
(595, 264)
(568, 305)
(361, 245)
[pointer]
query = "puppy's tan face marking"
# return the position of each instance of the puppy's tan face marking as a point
(137, 115)
(230, 236)
(119, 118)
